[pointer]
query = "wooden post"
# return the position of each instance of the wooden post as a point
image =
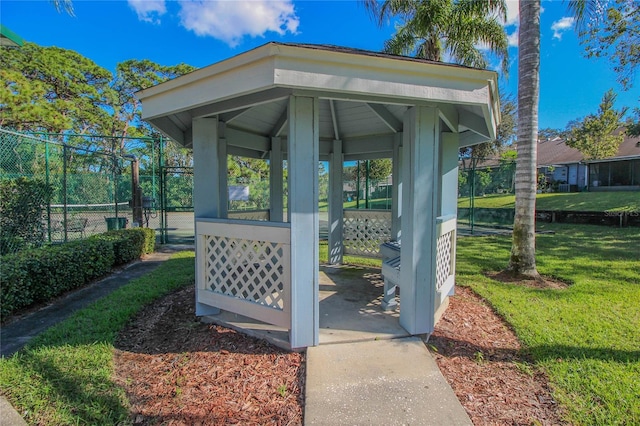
(206, 191)
(276, 204)
(420, 186)
(303, 160)
(336, 209)
(396, 193)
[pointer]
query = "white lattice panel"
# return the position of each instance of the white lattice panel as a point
(443, 258)
(246, 269)
(365, 230)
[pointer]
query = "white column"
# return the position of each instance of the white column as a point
(276, 202)
(449, 185)
(206, 191)
(396, 193)
(303, 157)
(223, 172)
(419, 211)
(449, 171)
(336, 209)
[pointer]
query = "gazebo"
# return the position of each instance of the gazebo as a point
(308, 103)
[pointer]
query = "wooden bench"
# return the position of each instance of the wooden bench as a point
(391, 273)
(75, 225)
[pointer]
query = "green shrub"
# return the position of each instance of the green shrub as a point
(22, 208)
(129, 244)
(38, 275)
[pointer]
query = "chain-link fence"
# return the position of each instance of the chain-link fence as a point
(485, 177)
(67, 185)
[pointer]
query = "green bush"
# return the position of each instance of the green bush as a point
(38, 275)
(22, 207)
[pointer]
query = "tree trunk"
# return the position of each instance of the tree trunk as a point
(523, 249)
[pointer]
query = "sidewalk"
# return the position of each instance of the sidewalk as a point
(379, 382)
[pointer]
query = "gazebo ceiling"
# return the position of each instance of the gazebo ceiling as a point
(362, 97)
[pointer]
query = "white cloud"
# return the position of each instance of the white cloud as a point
(512, 13)
(562, 25)
(513, 38)
(149, 10)
(230, 21)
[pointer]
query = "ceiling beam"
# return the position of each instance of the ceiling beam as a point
(385, 115)
(280, 125)
(449, 114)
(169, 128)
(475, 123)
(228, 117)
(469, 138)
(334, 120)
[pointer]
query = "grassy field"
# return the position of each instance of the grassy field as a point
(64, 376)
(577, 201)
(586, 337)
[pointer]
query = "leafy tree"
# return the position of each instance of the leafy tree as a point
(595, 136)
(523, 247)
(379, 169)
(435, 29)
(611, 30)
(63, 90)
(549, 133)
(633, 126)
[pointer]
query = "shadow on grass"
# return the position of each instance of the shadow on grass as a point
(87, 397)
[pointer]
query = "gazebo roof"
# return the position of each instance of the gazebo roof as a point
(362, 95)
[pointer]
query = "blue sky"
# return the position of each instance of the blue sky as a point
(204, 32)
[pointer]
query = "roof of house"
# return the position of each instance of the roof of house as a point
(556, 151)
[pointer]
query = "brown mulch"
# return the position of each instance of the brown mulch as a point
(178, 371)
(480, 358)
(543, 282)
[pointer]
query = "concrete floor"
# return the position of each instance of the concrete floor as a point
(350, 310)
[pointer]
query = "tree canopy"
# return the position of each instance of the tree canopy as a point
(462, 31)
(597, 135)
(611, 30)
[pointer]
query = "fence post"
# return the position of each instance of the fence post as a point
(47, 179)
(163, 219)
(115, 185)
(64, 190)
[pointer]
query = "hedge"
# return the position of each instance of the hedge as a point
(39, 275)
(129, 244)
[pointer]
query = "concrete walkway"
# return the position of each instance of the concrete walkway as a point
(381, 382)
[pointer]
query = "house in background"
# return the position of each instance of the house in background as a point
(566, 167)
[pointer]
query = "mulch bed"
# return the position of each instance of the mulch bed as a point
(178, 371)
(480, 358)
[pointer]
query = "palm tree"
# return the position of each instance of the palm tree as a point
(456, 30)
(523, 248)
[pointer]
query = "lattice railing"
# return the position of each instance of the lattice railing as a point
(261, 215)
(365, 230)
(445, 254)
(245, 268)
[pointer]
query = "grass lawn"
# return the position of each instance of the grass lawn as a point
(64, 376)
(586, 337)
(577, 201)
